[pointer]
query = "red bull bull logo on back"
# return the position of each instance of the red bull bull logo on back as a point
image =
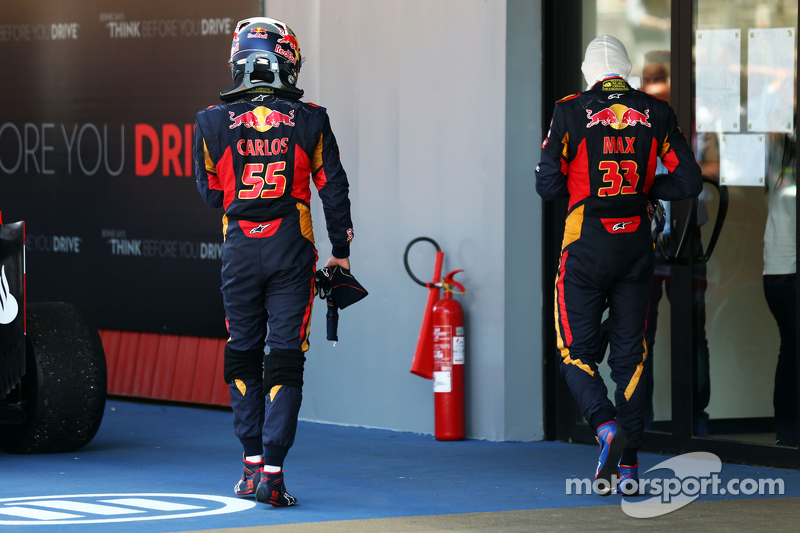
(606, 117)
(631, 117)
(276, 118)
(248, 119)
(261, 119)
(618, 117)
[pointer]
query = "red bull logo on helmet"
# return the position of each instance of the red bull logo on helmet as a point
(258, 33)
(261, 119)
(618, 117)
(235, 43)
(288, 37)
(288, 54)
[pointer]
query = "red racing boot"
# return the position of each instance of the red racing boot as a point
(250, 478)
(272, 490)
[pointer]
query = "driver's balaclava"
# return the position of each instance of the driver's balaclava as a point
(605, 57)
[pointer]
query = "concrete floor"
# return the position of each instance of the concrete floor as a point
(780, 514)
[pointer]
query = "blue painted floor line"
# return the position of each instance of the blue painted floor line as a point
(337, 473)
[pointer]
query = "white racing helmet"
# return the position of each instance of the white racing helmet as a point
(605, 56)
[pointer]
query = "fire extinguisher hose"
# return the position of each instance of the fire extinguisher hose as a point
(405, 258)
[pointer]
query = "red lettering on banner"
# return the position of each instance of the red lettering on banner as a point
(142, 131)
(167, 149)
(171, 149)
(188, 141)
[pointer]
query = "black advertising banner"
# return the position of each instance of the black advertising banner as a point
(97, 109)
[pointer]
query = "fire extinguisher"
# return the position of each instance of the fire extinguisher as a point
(448, 363)
(440, 348)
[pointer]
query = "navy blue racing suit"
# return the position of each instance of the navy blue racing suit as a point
(256, 157)
(601, 151)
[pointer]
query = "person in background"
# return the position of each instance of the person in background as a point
(780, 269)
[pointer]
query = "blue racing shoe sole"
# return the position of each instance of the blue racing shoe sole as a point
(613, 441)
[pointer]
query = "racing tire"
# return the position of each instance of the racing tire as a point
(64, 388)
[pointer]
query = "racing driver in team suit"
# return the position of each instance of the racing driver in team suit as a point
(601, 152)
(255, 155)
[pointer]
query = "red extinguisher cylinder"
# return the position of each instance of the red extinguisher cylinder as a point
(448, 369)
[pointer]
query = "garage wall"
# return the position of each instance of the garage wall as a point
(416, 92)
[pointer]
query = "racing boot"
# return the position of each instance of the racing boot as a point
(628, 480)
(250, 478)
(272, 490)
(613, 441)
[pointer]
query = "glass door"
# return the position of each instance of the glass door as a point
(744, 297)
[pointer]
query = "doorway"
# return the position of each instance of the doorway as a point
(723, 324)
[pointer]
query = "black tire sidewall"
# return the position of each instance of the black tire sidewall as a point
(64, 389)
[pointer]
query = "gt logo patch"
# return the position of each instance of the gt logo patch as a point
(260, 228)
(618, 226)
(621, 225)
